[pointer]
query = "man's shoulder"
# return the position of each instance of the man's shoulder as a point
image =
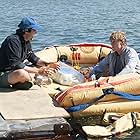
(10, 39)
(130, 52)
(13, 37)
(130, 49)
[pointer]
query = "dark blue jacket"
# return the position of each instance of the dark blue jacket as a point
(14, 50)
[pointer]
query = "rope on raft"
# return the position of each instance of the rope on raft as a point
(106, 92)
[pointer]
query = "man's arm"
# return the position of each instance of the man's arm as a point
(42, 63)
(132, 60)
(100, 67)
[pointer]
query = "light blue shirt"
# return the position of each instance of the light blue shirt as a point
(129, 63)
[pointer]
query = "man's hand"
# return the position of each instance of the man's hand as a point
(53, 66)
(85, 72)
(49, 69)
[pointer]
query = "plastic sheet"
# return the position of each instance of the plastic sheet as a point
(67, 75)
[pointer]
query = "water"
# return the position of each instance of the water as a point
(74, 21)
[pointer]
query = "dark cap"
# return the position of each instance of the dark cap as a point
(29, 23)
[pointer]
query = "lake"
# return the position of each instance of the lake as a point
(74, 21)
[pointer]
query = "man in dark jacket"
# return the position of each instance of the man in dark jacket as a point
(14, 50)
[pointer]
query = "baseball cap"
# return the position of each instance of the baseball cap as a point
(28, 22)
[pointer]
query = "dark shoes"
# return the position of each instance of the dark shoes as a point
(23, 86)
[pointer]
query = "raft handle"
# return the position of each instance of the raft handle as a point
(108, 91)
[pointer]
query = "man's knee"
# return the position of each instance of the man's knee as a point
(19, 76)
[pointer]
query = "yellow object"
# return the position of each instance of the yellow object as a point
(84, 93)
(84, 54)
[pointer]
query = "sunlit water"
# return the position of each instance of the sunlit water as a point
(74, 21)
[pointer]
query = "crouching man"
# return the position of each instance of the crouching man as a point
(14, 50)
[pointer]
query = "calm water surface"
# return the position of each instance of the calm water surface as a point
(74, 21)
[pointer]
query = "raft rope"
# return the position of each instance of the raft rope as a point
(75, 57)
(58, 53)
(106, 92)
(99, 57)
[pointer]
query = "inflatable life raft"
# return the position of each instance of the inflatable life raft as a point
(76, 54)
(91, 98)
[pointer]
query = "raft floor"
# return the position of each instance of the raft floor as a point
(29, 104)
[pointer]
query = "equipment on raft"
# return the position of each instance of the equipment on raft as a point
(67, 75)
(42, 80)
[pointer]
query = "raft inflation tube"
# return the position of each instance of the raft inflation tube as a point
(75, 54)
(85, 92)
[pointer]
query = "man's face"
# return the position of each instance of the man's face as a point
(29, 35)
(116, 45)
